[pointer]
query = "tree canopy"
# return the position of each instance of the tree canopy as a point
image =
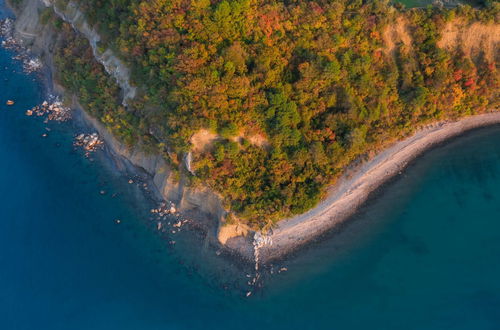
(313, 79)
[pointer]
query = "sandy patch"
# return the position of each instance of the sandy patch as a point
(229, 231)
(396, 34)
(258, 140)
(254, 139)
(203, 140)
(472, 39)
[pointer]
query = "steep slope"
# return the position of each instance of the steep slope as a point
(39, 30)
(257, 107)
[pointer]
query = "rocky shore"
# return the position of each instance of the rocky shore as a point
(198, 204)
(204, 206)
(30, 63)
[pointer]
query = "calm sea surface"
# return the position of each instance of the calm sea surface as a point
(425, 254)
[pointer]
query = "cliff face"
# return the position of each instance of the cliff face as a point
(199, 204)
(41, 37)
(392, 91)
(113, 65)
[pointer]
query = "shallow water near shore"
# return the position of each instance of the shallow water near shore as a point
(422, 255)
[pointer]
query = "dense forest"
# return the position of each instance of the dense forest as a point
(290, 92)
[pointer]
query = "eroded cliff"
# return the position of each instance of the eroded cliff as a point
(199, 203)
(339, 95)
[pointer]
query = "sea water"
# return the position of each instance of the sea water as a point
(423, 254)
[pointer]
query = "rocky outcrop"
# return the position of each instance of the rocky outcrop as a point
(113, 65)
(230, 231)
(200, 204)
(205, 205)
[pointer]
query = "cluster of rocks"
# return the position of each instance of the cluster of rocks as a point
(164, 209)
(168, 219)
(54, 110)
(89, 142)
(7, 33)
(30, 63)
(259, 240)
(6, 28)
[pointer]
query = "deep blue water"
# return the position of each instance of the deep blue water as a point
(425, 254)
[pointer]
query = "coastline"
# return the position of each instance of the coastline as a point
(342, 201)
(419, 247)
(353, 191)
(199, 205)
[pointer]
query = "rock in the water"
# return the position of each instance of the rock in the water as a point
(89, 143)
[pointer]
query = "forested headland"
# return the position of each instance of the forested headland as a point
(275, 99)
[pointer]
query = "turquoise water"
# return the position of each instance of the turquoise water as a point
(424, 254)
